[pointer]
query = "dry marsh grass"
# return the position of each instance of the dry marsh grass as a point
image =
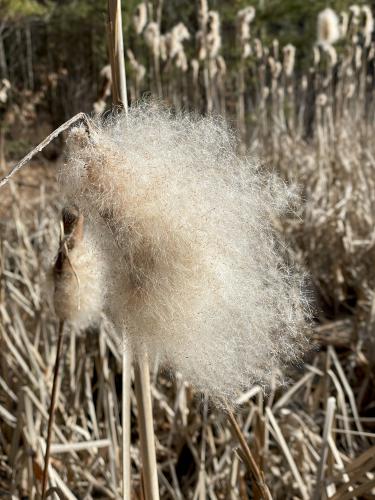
(313, 438)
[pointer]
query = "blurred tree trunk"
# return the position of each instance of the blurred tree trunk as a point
(29, 56)
(2, 148)
(3, 61)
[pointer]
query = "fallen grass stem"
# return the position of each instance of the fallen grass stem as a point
(258, 477)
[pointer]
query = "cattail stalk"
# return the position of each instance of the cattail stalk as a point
(142, 375)
(116, 49)
(244, 19)
(2, 148)
(202, 18)
(152, 38)
(116, 53)
(260, 488)
(52, 408)
(146, 427)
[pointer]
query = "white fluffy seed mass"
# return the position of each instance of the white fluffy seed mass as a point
(79, 283)
(186, 227)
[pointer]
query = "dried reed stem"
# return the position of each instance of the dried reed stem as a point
(119, 96)
(142, 377)
(42, 145)
(330, 412)
(146, 427)
(260, 487)
(116, 53)
(126, 386)
(52, 407)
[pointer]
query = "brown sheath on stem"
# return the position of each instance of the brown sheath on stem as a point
(116, 54)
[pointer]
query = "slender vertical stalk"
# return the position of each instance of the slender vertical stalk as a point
(146, 427)
(241, 123)
(330, 413)
(119, 96)
(29, 56)
(2, 148)
(260, 487)
(159, 12)
(116, 53)
(126, 383)
(52, 407)
(202, 19)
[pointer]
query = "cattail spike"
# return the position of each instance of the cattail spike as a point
(185, 226)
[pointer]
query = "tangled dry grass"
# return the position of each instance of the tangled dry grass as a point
(195, 451)
(313, 438)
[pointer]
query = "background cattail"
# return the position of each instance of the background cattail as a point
(244, 18)
(213, 34)
(152, 38)
(193, 255)
(105, 89)
(138, 72)
(140, 17)
(343, 24)
(289, 52)
(328, 27)
(5, 87)
(368, 27)
(174, 40)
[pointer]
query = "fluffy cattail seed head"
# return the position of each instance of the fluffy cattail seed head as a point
(221, 65)
(289, 52)
(196, 276)
(152, 38)
(213, 37)
(78, 274)
(344, 24)
(181, 60)
(140, 18)
(275, 48)
(163, 46)
(304, 83)
(328, 27)
(202, 12)
(275, 68)
(316, 55)
(321, 100)
(258, 47)
(180, 32)
(244, 18)
(4, 90)
(194, 63)
(174, 40)
(138, 69)
(332, 55)
(202, 52)
(371, 52)
(358, 57)
(368, 27)
(355, 10)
